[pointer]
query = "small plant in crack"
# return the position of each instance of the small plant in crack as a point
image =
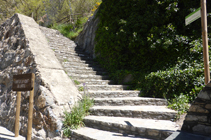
(76, 82)
(81, 88)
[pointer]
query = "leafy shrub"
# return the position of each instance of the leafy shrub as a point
(163, 55)
(71, 30)
(179, 103)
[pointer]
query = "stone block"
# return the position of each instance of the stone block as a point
(196, 118)
(207, 130)
(141, 131)
(152, 133)
(204, 94)
(208, 106)
(199, 128)
(198, 109)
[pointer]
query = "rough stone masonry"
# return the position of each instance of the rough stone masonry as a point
(24, 49)
(198, 118)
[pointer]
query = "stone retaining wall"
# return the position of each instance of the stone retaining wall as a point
(24, 49)
(198, 118)
(86, 39)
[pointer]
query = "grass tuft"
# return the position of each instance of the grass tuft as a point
(76, 82)
(74, 119)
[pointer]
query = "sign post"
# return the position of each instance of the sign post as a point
(30, 117)
(24, 82)
(202, 12)
(205, 41)
(17, 114)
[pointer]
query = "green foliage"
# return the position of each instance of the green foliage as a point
(31, 8)
(65, 60)
(7, 9)
(81, 89)
(179, 103)
(70, 30)
(137, 39)
(74, 119)
(119, 75)
(76, 82)
(163, 55)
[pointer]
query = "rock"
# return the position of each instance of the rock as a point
(196, 118)
(208, 106)
(196, 108)
(204, 95)
(41, 133)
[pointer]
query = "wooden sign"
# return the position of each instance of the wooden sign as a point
(22, 82)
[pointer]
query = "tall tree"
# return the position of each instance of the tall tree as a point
(7, 9)
(33, 8)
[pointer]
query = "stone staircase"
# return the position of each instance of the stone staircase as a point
(118, 114)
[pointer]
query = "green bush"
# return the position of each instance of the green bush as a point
(179, 103)
(71, 30)
(174, 81)
(163, 55)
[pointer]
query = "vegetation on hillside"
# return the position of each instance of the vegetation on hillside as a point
(47, 12)
(149, 40)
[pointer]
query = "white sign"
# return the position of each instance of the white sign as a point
(193, 16)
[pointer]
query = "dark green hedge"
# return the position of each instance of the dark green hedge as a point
(149, 39)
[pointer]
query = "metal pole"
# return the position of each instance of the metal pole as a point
(205, 41)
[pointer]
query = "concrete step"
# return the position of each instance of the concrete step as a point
(78, 60)
(86, 133)
(74, 53)
(60, 49)
(113, 94)
(187, 136)
(95, 82)
(89, 76)
(66, 56)
(63, 58)
(133, 101)
(5, 134)
(85, 71)
(73, 67)
(77, 54)
(148, 128)
(78, 64)
(144, 112)
(104, 87)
